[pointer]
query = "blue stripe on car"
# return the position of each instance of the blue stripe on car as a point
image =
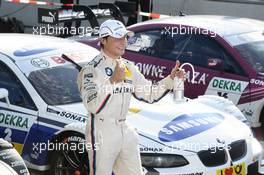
(17, 136)
(51, 122)
(39, 135)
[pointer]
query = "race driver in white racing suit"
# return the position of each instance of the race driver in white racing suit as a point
(106, 85)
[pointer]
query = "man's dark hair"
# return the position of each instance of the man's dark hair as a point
(101, 45)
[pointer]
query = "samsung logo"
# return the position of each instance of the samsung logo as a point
(187, 125)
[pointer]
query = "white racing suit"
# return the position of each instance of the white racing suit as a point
(114, 142)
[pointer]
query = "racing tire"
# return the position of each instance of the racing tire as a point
(70, 156)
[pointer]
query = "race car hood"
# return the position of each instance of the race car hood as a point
(172, 124)
(192, 125)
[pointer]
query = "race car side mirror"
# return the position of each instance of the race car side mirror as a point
(4, 94)
(215, 63)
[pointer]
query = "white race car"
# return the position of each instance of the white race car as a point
(41, 113)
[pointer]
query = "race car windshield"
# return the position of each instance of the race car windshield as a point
(56, 85)
(253, 52)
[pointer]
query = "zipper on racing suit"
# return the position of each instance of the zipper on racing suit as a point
(122, 101)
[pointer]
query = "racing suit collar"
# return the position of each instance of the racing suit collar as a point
(109, 59)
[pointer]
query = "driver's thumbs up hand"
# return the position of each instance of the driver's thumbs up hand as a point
(119, 72)
(176, 71)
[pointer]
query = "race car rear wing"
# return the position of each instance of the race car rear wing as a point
(68, 14)
(77, 13)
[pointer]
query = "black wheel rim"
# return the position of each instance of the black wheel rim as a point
(71, 163)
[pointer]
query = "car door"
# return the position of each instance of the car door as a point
(18, 117)
(228, 80)
(141, 49)
(223, 76)
(162, 49)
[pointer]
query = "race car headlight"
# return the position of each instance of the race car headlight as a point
(162, 160)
